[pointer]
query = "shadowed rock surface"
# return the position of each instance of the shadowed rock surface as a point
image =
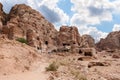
(112, 41)
(3, 17)
(87, 41)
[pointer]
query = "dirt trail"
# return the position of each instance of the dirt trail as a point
(37, 74)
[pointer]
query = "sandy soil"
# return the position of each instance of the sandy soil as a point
(70, 68)
(21, 62)
(37, 74)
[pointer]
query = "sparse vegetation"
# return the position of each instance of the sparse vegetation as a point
(52, 67)
(78, 75)
(22, 40)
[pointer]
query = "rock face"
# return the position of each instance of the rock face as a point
(68, 36)
(3, 17)
(24, 22)
(87, 41)
(112, 41)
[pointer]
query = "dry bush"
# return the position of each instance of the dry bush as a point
(77, 75)
(52, 67)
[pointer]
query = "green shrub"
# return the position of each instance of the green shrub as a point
(52, 67)
(22, 40)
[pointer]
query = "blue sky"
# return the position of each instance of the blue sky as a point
(105, 26)
(94, 17)
(66, 5)
(108, 26)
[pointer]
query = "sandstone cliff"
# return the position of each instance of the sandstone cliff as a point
(3, 17)
(25, 22)
(112, 41)
(68, 36)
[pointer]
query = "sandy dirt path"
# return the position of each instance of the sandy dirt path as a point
(37, 74)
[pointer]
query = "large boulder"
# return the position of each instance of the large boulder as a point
(92, 64)
(111, 42)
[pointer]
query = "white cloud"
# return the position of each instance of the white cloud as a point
(81, 19)
(116, 27)
(51, 5)
(96, 34)
(93, 31)
(93, 12)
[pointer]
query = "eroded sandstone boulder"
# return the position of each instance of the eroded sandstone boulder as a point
(92, 64)
(85, 58)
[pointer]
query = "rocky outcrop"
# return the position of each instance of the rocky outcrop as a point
(117, 56)
(112, 41)
(92, 64)
(25, 22)
(68, 36)
(3, 17)
(87, 41)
